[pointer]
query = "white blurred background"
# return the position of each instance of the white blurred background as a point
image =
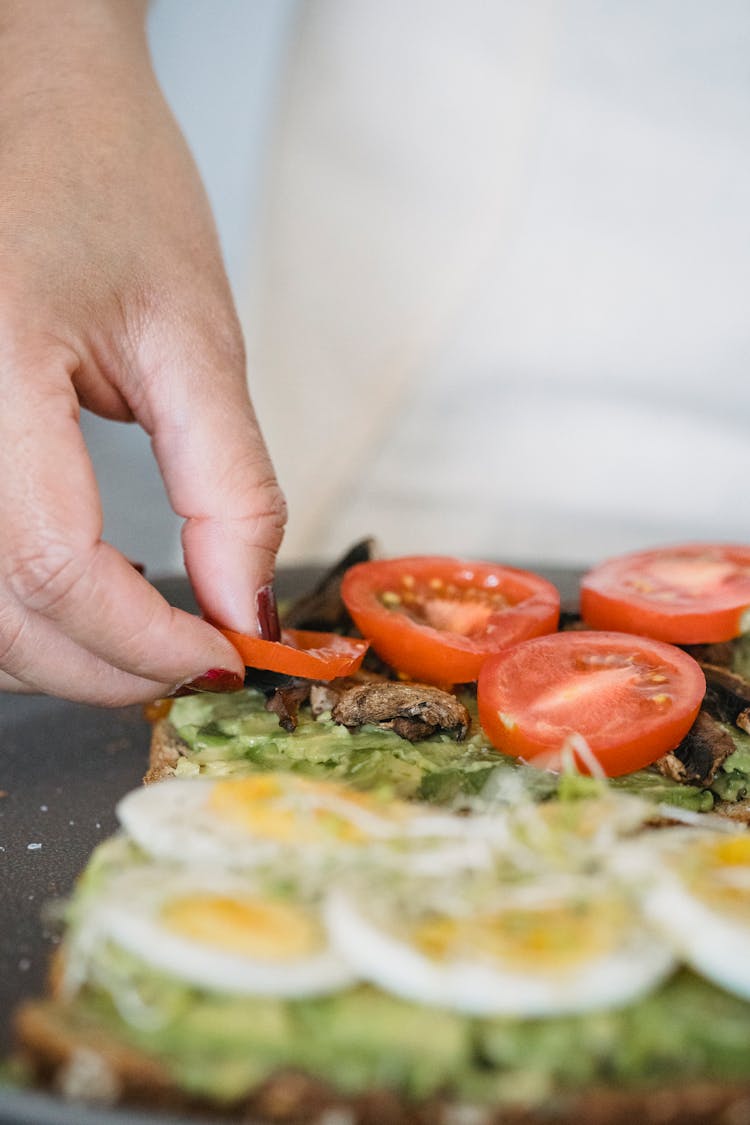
(493, 263)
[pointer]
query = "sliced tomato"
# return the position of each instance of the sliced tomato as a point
(438, 619)
(609, 698)
(314, 656)
(697, 593)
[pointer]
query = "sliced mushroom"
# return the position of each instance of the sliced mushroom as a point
(286, 701)
(413, 711)
(727, 696)
(703, 750)
(719, 654)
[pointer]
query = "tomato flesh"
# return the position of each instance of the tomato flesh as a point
(608, 701)
(438, 619)
(300, 652)
(696, 593)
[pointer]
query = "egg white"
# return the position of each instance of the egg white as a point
(174, 820)
(711, 940)
(380, 953)
(129, 915)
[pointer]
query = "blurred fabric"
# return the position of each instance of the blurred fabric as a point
(506, 287)
(493, 261)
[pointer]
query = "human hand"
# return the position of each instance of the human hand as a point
(113, 296)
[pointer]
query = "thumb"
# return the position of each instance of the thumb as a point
(217, 472)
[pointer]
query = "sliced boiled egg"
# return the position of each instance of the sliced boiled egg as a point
(535, 950)
(216, 932)
(698, 895)
(244, 822)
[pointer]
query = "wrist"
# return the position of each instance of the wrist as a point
(50, 16)
(44, 42)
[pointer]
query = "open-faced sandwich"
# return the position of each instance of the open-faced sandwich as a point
(428, 888)
(281, 949)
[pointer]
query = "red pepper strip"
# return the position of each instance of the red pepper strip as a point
(313, 656)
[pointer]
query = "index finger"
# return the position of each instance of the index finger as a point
(219, 477)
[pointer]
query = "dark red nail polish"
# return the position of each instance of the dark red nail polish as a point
(216, 680)
(268, 614)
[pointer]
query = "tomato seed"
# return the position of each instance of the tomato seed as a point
(390, 598)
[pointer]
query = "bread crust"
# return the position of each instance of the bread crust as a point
(165, 752)
(50, 1039)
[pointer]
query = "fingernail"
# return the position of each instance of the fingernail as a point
(268, 614)
(216, 679)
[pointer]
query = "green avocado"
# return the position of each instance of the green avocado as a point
(222, 1046)
(685, 1030)
(653, 786)
(233, 735)
(363, 1039)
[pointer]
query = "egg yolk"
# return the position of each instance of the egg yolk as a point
(733, 851)
(255, 928)
(543, 939)
(292, 811)
(719, 873)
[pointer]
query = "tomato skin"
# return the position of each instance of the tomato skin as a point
(313, 656)
(694, 593)
(631, 698)
(517, 605)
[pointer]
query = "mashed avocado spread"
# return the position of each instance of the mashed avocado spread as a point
(219, 1046)
(233, 735)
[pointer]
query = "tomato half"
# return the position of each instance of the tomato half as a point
(697, 593)
(438, 619)
(631, 698)
(313, 656)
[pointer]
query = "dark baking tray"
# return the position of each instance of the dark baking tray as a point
(63, 767)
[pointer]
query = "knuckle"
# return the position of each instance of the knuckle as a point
(276, 512)
(139, 633)
(266, 507)
(261, 525)
(208, 320)
(13, 621)
(271, 510)
(225, 335)
(43, 579)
